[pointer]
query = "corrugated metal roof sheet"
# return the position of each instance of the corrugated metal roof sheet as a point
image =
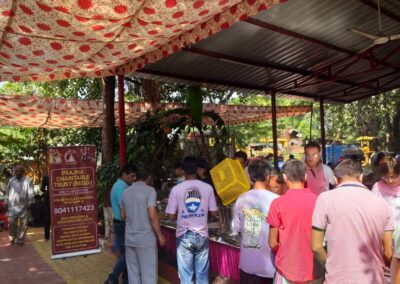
(329, 21)
(284, 49)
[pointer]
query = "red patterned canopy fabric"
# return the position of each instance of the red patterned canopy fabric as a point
(43, 40)
(27, 111)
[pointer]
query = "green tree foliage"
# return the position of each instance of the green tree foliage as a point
(169, 92)
(248, 133)
(24, 144)
(106, 175)
(154, 140)
(82, 88)
(377, 116)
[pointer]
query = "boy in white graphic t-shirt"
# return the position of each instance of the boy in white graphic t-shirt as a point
(251, 210)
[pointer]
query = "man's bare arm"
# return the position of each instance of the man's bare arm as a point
(317, 245)
(123, 213)
(387, 247)
(155, 225)
(273, 238)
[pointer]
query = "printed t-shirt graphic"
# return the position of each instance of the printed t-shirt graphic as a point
(192, 199)
(253, 219)
(251, 209)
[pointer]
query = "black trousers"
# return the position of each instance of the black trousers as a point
(46, 221)
(246, 278)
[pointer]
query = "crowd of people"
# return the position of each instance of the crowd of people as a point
(303, 223)
(321, 226)
(288, 222)
(137, 228)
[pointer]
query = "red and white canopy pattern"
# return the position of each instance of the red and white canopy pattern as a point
(44, 40)
(27, 111)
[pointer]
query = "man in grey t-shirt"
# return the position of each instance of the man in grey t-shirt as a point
(142, 230)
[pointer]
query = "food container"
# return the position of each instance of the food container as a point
(226, 214)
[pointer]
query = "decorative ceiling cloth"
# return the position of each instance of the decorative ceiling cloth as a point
(29, 111)
(57, 39)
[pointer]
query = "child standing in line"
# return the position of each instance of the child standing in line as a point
(389, 189)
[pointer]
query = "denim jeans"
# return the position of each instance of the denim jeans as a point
(120, 267)
(192, 258)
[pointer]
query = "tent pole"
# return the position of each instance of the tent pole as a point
(274, 128)
(121, 110)
(322, 121)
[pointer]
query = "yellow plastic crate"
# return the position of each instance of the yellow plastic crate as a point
(229, 180)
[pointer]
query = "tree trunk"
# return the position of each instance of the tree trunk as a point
(108, 132)
(395, 135)
(151, 91)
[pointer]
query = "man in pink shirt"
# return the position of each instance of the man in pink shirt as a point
(320, 177)
(290, 229)
(358, 228)
(189, 202)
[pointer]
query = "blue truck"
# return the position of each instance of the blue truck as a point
(334, 152)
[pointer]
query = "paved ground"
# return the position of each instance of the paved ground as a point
(31, 263)
(23, 264)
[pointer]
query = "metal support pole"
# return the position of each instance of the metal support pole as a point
(274, 128)
(322, 120)
(311, 121)
(121, 110)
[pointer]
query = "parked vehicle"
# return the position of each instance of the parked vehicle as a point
(337, 152)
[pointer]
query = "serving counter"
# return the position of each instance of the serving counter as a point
(224, 252)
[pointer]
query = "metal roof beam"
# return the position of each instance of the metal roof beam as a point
(270, 65)
(229, 58)
(201, 80)
(384, 11)
(223, 83)
(347, 91)
(175, 77)
(289, 33)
